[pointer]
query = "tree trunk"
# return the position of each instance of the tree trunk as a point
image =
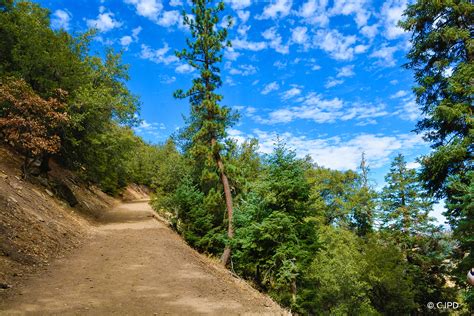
(228, 202)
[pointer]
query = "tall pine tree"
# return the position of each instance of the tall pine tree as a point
(442, 56)
(206, 128)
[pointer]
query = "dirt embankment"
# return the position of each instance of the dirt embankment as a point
(37, 221)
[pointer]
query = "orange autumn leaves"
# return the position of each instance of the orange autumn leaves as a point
(27, 121)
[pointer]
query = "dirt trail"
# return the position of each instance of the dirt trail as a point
(135, 265)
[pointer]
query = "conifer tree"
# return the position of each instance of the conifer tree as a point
(404, 204)
(363, 201)
(442, 57)
(206, 128)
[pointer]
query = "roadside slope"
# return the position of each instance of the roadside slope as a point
(136, 265)
(37, 226)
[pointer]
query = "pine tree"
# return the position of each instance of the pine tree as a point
(363, 201)
(404, 204)
(206, 128)
(442, 56)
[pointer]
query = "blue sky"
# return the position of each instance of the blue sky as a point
(324, 75)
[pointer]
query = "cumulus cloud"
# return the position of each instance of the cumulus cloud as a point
(337, 45)
(346, 71)
(184, 69)
(384, 54)
(128, 39)
(399, 94)
(332, 82)
(276, 9)
(243, 70)
(337, 152)
(358, 8)
(315, 107)
(314, 12)
(391, 14)
(169, 18)
(104, 22)
(299, 35)
(60, 19)
(275, 40)
(147, 8)
(273, 86)
(159, 56)
(244, 44)
(293, 92)
(238, 4)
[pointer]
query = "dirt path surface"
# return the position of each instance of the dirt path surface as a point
(135, 265)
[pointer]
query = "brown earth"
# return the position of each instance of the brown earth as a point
(134, 264)
(37, 226)
(100, 257)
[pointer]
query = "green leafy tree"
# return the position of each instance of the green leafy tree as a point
(442, 57)
(405, 217)
(206, 126)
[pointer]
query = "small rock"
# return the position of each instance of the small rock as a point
(3, 176)
(5, 286)
(49, 192)
(11, 198)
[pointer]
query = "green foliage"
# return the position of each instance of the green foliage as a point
(442, 56)
(96, 99)
(273, 239)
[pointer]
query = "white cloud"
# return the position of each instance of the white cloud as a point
(275, 40)
(176, 3)
(385, 55)
(339, 153)
(169, 18)
(277, 8)
(332, 82)
(248, 45)
(392, 11)
(231, 54)
(369, 31)
(104, 22)
(243, 70)
(60, 19)
(238, 4)
(158, 56)
(243, 15)
(273, 86)
(399, 94)
(184, 69)
(346, 72)
(314, 12)
(293, 92)
(355, 7)
(147, 8)
(359, 49)
(167, 79)
(152, 129)
(337, 45)
(126, 40)
(315, 108)
(299, 35)
(408, 110)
